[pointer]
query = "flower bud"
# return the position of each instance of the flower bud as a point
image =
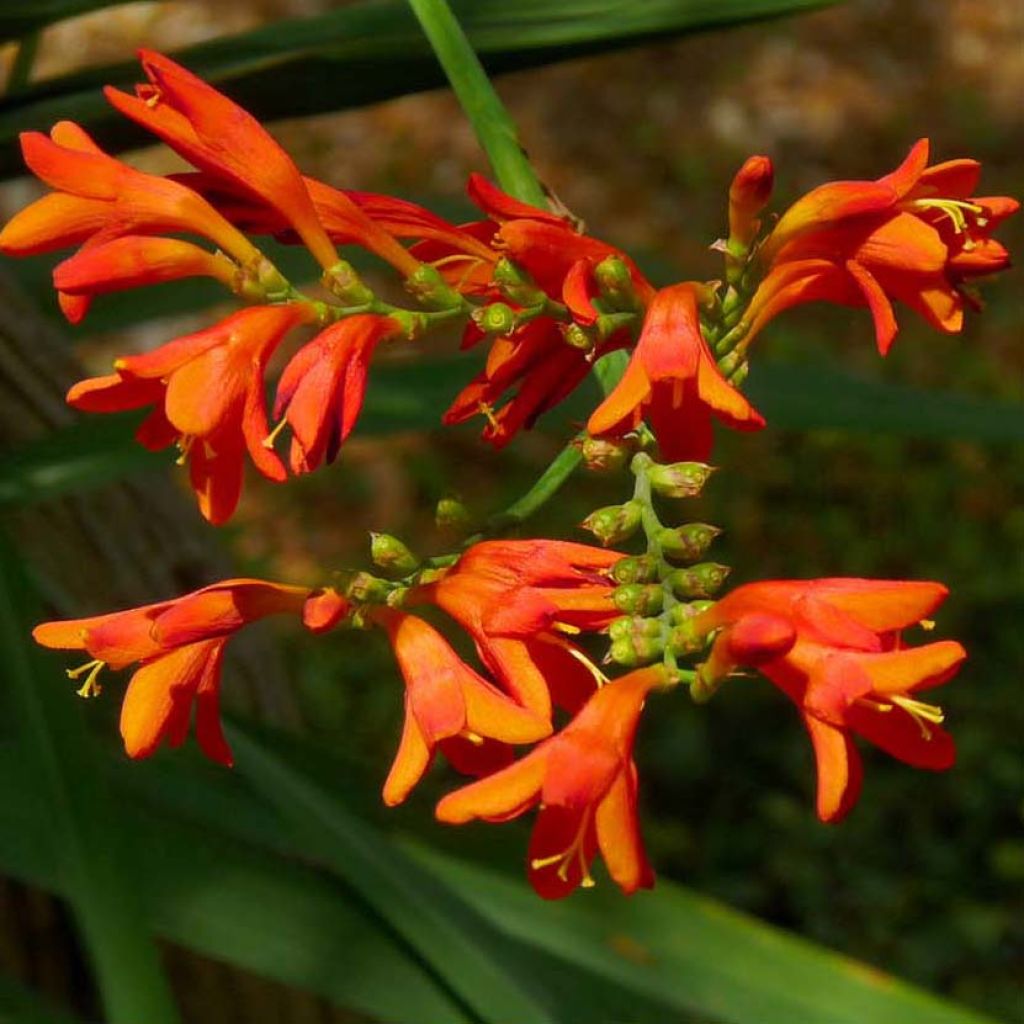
(516, 284)
(688, 542)
(616, 282)
(688, 610)
(427, 285)
(634, 625)
(453, 516)
(639, 598)
(613, 523)
(701, 580)
(364, 587)
(631, 651)
(685, 640)
(635, 569)
(679, 479)
(748, 195)
(497, 318)
(577, 336)
(605, 455)
(390, 553)
(343, 282)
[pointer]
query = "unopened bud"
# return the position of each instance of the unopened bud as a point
(324, 609)
(577, 336)
(635, 569)
(701, 580)
(748, 195)
(613, 523)
(390, 553)
(453, 516)
(343, 282)
(685, 639)
(367, 588)
(605, 455)
(679, 479)
(497, 318)
(427, 285)
(616, 282)
(688, 610)
(634, 625)
(639, 598)
(631, 651)
(687, 543)
(516, 284)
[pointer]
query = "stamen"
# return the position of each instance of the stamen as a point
(599, 677)
(184, 443)
(91, 670)
(566, 627)
(455, 258)
(954, 209)
(919, 710)
(474, 737)
(271, 438)
(927, 624)
(487, 411)
(574, 851)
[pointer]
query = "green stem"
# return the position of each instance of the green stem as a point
(495, 129)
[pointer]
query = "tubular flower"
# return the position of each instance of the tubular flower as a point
(179, 648)
(448, 706)
(208, 392)
(320, 394)
(673, 379)
(833, 646)
(219, 137)
(517, 599)
(584, 780)
(915, 235)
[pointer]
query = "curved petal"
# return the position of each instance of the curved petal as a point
(840, 770)
(618, 835)
(505, 794)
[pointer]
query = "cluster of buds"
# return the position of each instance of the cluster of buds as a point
(550, 301)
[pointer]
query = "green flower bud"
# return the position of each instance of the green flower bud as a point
(639, 598)
(577, 336)
(453, 516)
(679, 479)
(497, 318)
(684, 639)
(635, 569)
(701, 580)
(688, 610)
(634, 625)
(602, 455)
(687, 542)
(343, 282)
(516, 284)
(390, 553)
(364, 587)
(616, 283)
(427, 285)
(613, 523)
(631, 651)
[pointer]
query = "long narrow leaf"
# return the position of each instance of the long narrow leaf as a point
(96, 877)
(374, 51)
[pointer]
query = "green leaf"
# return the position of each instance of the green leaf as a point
(20, 1005)
(56, 766)
(475, 964)
(373, 51)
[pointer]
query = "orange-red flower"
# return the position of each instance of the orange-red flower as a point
(915, 235)
(448, 706)
(673, 380)
(208, 389)
(584, 780)
(518, 599)
(833, 646)
(320, 394)
(179, 648)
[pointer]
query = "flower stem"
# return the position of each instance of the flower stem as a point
(495, 129)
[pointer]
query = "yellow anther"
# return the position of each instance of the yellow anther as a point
(927, 624)
(566, 627)
(91, 670)
(573, 852)
(184, 443)
(474, 737)
(955, 209)
(919, 710)
(271, 438)
(488, 412)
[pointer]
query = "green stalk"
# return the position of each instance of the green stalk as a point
(495, 129)
(24, 58)
(85, 832)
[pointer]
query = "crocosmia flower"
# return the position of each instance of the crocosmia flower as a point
(673, 381)
(520, 600)
(584, 780)
(916, 235)
(178, 646)
(834, 647)
(449, 706)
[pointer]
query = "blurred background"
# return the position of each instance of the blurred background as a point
(907, 468)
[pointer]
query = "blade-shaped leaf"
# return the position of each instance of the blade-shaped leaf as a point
(19, 19)
(374, 51)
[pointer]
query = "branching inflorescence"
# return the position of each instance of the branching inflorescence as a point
(550, 301)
